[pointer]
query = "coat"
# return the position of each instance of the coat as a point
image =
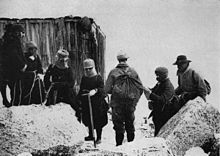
(97, 101)
(162, 92)
(33, 89)
(13, 60)
(61, 81)
(191, 82)
(119, 70)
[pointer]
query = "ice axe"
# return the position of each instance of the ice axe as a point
(91, 116)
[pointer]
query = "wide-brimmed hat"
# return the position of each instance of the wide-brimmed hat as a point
(31, 44)
(181, 59)
(62, 53)
(122, 56)
(88, 63)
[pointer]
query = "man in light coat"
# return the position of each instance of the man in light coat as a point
(190, 83)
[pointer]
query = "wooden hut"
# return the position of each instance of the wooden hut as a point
(51, 34)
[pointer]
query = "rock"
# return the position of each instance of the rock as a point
(195, 151)
(37, 127)
(193, 126)
(145, 146)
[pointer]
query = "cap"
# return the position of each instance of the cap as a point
(122, 56)
(88, 63)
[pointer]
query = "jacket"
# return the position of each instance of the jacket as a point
(119, 70)
(191, 82)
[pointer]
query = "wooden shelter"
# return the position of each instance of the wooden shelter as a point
(51, 34)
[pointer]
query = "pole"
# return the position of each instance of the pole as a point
(91, 118)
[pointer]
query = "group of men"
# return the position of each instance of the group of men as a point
(164, 100)
(123, 83)
(21, 70)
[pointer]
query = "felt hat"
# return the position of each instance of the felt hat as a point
(181, 59)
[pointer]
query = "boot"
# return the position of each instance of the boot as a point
(90, 137)
(119, 138)
(99, 135)
(5, 101)
(130, 137)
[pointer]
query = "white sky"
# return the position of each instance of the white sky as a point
(152, 32)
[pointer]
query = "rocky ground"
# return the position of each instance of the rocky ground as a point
(37, 130)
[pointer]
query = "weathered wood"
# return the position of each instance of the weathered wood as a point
(51, 34)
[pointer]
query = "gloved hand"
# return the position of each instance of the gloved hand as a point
(147, 93)
(41, 76)
(92, 92)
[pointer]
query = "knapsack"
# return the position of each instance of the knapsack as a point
(207, 84)
(127, 87)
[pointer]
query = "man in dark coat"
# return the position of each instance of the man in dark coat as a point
(122, 109)
(92, 84)
(159, 97)
(13, 62)
(59, 81)
(190, 83)
(32, 84)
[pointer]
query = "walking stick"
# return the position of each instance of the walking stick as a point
(91, 117)
(40, 91)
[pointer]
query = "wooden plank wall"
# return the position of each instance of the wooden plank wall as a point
(52, 34)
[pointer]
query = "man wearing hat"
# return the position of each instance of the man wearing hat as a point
(190, 83)
(122, 109)
(59, 81)
(13, 62)
(32, 84)
(92, 84)
(158, 98)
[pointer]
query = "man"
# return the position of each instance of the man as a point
(13, 63)
(32, 84)
(59, 81)
(190, 83)
(159, 97)
(123, 108)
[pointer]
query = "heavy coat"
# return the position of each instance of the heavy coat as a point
(119, 70)
(33, 88)
(99, 115)
(161, 94)
(192, 83)
(122, 110)
(13, 61)
(13, 58)
(61, 81)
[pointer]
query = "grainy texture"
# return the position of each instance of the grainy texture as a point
(36, 127)
(51, 34)
(194, 125)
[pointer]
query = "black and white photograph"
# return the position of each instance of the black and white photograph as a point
(109, 77)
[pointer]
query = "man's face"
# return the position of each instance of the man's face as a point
(20, 34)
(32, 51)
(182, 66)
(159, 78)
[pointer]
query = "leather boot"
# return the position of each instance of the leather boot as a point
(90, 137)
(130, 137)
(119, 138)
(99, 135)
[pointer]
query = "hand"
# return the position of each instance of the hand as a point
(92, 92)
(24, 68)
(147, 92)
(41, 76)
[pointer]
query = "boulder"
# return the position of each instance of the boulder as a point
(145, 146)
(37, 127)
(193, 126)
